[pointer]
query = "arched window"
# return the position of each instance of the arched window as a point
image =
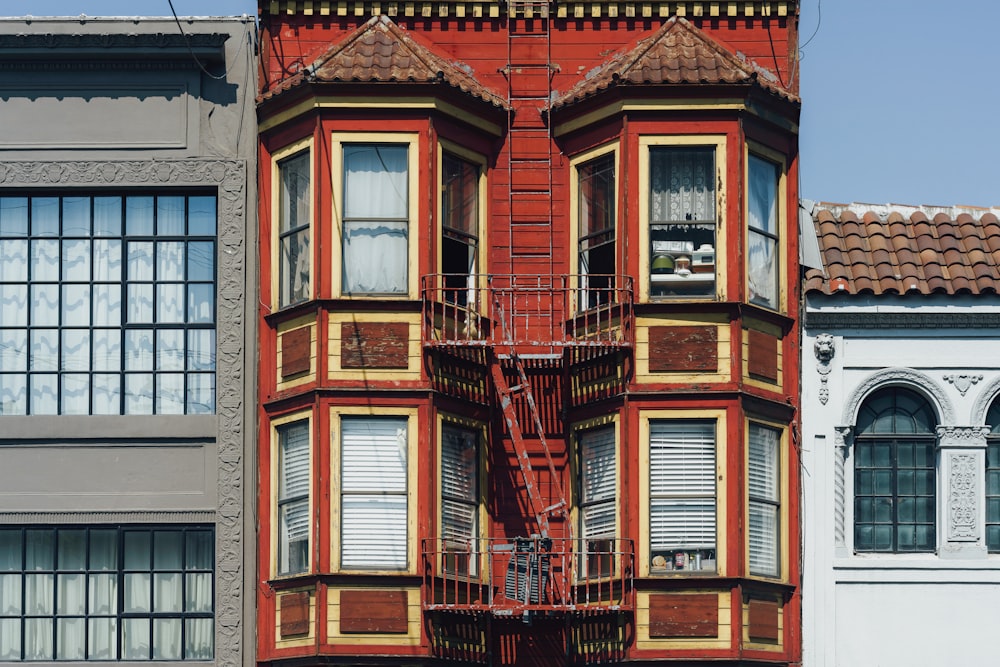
(894, 473)
(993, 478)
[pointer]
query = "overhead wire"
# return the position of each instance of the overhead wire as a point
(194, 56)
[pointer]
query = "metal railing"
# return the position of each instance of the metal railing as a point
(508, 577)
(537, 314)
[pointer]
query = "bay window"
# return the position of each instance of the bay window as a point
(376, 219)
(762, 221)
(374, 498)
(683, 219)
(597, 500)
(682, 496)
(764, 500)
(460, 498)
(293, 497)
(107, 593)
(107, 304)
(596, 234)
(293, 229)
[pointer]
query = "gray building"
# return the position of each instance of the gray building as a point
(127, 266)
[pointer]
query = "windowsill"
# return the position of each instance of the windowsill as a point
(107, 428)
(924, 561)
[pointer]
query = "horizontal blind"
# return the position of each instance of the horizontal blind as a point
(764, 506)
(597, 482)
(374, 501)
(682, 484)
(459, 484)
(293, 480)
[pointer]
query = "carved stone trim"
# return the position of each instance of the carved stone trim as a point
(22, 518)
(824, 349)
(113, 40)
(856, 320)
(842, 441)
(962, 381)
(229, 177)
(963, 498)
(962, 436)
(899, 376)
(988, 394)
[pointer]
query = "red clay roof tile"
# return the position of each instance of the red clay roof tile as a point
(892, 252)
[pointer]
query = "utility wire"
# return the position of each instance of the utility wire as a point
(194, 57)
(819, 22)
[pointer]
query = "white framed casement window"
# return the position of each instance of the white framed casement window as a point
(597, 502)
(462, 219)
(764, 500)
(682, 209)
(763, 216)
(594, 208)
(374, 494)
(293, 224)
(293, 482)
(460, 497)
(682, 496)
(375, 211)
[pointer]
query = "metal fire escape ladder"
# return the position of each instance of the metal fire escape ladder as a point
(529, 72)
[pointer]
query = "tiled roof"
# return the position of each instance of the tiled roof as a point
(906, 250)
(678, 53)
(382, 52)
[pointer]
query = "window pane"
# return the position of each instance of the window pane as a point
(170, 302)
(170, 260)
(201, 216)
(375, 257)
(70, 639)
(135, 638)
(139, 216)
(13, 260)
(166, 639)
(103, 594)
(101, 634)
(375, 181)
(107, 216)
(294, 229)
(10, 594)
(170, 216)
(199, 639)
(38, 639)
(293, 497)
(13, 216)
(76, 260)
(10, 639)
(198, 592)
(201, 261)
(167, 592)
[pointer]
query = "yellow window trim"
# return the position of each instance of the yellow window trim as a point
(481, 430)
(302, 146)
(719, 417)
(783, 222)
(284, 420)
(718, 142)
(412, 434)
(783, 497)
(414, 196)
(574, 211)
(576, 429)
(446, 146)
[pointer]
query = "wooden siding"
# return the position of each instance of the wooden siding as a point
(683, 348)
(294, 613)
(295, 353)
(683, 615)
(380, 612)
(374, 344)
(762, 355)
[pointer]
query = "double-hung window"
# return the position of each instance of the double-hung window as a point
(762, 220)
(293, 497)
(895, 473)
(107, 304)
(460, 497)
(682, 495)
(683, 220)
(993, 479)
(376, 219)
(764, 500)
(596, 237)
(108, 593)
(293, 229)
(597, 500)
(374, 510)
(459, 226)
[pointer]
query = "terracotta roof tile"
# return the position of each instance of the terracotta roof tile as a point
(381, 52)
(677, 53)
(882, 251)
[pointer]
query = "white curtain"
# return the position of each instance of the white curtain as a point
(166, 639)
(376, 225)
(763, 223)
(199, 636)
(683, 184)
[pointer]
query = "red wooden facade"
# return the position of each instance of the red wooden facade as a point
(528, 333)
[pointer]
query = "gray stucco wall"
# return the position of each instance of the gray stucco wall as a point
(119, 104)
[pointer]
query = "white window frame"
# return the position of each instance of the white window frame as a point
(414, 195)
(342, 488)
(764, 493)
(776, 300)
(278, 277)
(279, 426)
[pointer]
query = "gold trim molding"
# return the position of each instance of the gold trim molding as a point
(532, 9)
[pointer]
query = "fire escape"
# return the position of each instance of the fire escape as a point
(485, 339)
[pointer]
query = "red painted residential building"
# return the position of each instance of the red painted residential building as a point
(528, 333)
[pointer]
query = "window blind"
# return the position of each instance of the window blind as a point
(597, 482)
(764, 500)
(682, 485)
(293, 497)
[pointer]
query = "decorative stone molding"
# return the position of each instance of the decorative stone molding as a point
(963, 498)
(27, 518)
(23, 42)
(868, 321)
(988, 394)
(962, 436)
(229, 177)
(899, 376)
(962, 381)
(843, 436)
(824, 350)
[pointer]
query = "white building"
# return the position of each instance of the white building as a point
(901, 438)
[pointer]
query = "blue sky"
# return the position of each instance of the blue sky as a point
(900, 97)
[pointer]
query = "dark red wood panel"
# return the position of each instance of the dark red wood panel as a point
(374, 344)
(684, 348)
(294, 614)
(373, 611)
(295, 352)
(763, 619)
(684, 615)
(762, 356)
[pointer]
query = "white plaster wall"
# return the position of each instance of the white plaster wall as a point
(885, 610)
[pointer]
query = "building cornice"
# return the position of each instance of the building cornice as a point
(55, 46)
(556, 9)
(867, 320)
